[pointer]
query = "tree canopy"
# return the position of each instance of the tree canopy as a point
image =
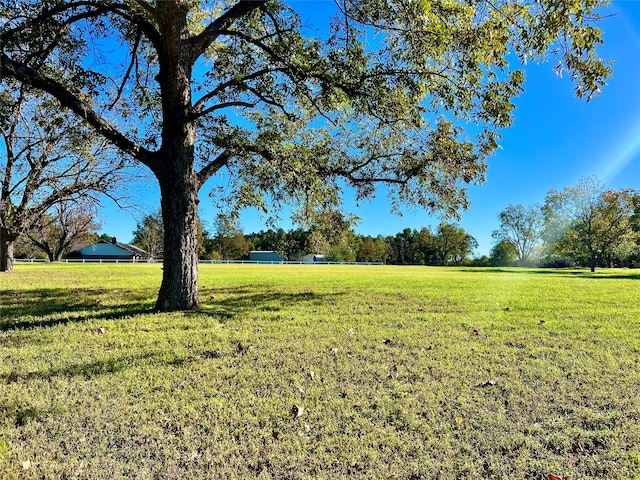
(522, 227)
(587, 222)
(402, 93)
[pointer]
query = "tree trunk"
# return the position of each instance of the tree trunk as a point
(179, 200)
(592, 263)
(175, 165)
(6, 250)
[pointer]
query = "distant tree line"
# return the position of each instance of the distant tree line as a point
(449, 244)
(582, 225)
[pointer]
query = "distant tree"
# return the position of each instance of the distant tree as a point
(453, 244)
(482, 261)
(331, 230)
(634, 252)
(382, 248)
(269, 240)
(200, 87)
(149, 235)
(504, 254)
(341, 253)
(401, 251)
(371, 249)
(424, 247)
(65, 225)
(201, 237)
(48, 158)
(229, 240)
(587, 223)
(521, 227)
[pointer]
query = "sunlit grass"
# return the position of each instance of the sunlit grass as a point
(394, 372)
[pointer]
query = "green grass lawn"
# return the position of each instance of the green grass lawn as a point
(320, 372)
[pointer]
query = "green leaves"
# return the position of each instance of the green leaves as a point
(589, 223)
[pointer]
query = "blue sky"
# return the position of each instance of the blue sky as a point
(555, 140)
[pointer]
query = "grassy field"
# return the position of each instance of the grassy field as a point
(320, 372)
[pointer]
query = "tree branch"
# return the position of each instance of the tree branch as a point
(73, 102)
(212, 167)
(134, 54)
(202, 41)
(199, 105)
(220, 106)
(117, 8)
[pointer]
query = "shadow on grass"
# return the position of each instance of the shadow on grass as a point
(87, 369)
(26, 309)
(569, 273)
(230, 302)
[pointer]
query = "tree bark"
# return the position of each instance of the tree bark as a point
(6, 250)
(174, 166)
(179, 200)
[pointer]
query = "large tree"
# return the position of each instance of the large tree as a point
(240, 87)
(522, 227)
(47, 158)
(587, 222)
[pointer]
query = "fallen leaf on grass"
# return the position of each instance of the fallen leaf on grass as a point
(275, 434)
(554, 477)
(488, 383)
(26, 465)
(296, 411)
(576, 448)
(312, 375)
(243, 348)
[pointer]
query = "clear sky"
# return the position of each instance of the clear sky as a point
(555, 140)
